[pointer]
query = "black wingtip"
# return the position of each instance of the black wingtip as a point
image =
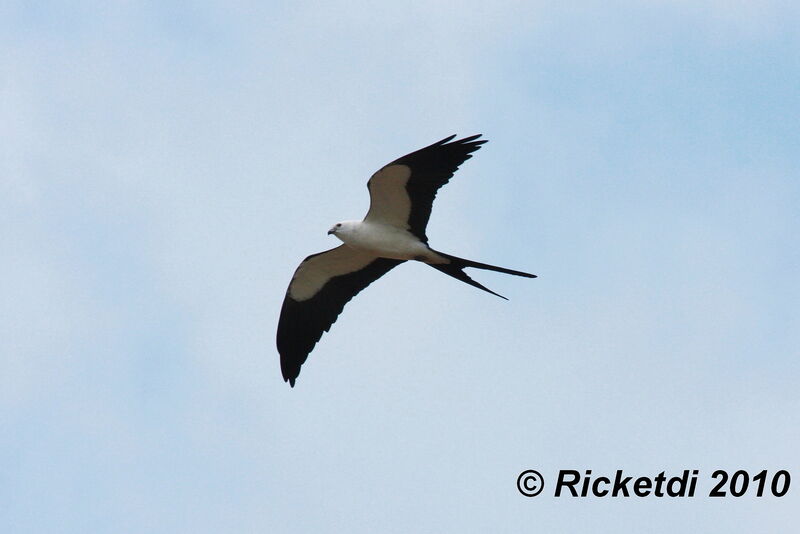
(289, 372)
(472, 139)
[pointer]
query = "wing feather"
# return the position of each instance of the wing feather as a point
(402, 192)
(321, 286)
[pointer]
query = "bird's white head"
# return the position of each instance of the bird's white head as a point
(342, 229)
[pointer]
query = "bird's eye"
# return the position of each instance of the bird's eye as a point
(338, 225)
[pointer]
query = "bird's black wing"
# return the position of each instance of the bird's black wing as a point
(320, 287)
(402, 192)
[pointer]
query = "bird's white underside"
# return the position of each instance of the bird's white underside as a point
(383, 240)
(389, 201)
(315, 272)
(382, 234)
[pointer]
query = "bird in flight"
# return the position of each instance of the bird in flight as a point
(401, 196)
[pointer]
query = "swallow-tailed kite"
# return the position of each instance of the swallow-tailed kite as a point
(401, 195)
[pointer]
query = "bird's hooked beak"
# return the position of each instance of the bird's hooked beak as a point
(331, 231)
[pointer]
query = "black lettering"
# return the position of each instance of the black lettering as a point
(597, 492)
(787, 480)
(681, 481)
(761, 478)
(716, 491)
(570, 485)
(659, 481)
(745, 478)
(620, 484)
(587, 477)
(642, 486)
(693, 484)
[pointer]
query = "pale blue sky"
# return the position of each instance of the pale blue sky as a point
(165, 166)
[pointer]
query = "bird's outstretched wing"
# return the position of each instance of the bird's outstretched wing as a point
(320, 287)
(401, 193)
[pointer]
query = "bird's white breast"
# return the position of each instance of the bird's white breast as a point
(385, 241)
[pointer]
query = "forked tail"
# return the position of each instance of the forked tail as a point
(456, 269)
